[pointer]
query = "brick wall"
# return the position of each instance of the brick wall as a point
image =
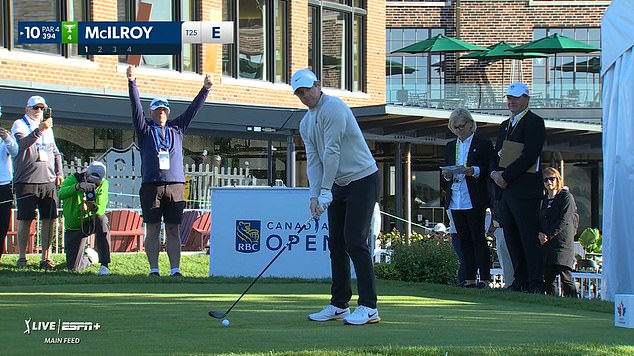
(487, 22)
(105, 72)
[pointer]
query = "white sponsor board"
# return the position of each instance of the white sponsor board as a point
(250, 225)
(624, 310)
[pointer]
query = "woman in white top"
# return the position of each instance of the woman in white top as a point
(8, 150)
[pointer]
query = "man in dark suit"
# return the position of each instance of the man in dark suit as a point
(467, 198)
(519, 188)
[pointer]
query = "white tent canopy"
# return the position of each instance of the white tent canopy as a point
(617, 70)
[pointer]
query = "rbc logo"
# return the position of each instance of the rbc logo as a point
(248, 236)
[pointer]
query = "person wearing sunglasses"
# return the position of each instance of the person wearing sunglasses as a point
(558, 222)
(37, 175)
(162, 192)
(467, 195)
(8, 150)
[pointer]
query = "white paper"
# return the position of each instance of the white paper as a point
(452, 169)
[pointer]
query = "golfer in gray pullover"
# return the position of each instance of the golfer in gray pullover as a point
(343, 177)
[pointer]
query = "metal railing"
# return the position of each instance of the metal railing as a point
(491, 97)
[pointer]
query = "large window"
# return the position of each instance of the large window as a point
(161, 10)
(43, 10)
(336, 43)
(261, 47)
(413, 78)
(567, 78)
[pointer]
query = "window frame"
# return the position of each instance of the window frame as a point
(177, 15)
(270, 32)
(351, 13)
(62, 7)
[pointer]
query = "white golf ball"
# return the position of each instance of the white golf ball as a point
(225, 323)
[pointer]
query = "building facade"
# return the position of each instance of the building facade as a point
(251, 113)
(251, 117)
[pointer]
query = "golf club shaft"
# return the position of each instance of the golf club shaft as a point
(302, 228)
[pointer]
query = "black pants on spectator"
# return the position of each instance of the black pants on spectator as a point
(75, 241)
(568, 286)
(6, 201)
(469, 225)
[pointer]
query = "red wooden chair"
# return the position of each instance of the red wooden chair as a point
(189, 217)
(11, 242)
(126, 231)
(199, 234)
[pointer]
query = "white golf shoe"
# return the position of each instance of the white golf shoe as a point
(330, 312)
(103, 271)
(362, 315)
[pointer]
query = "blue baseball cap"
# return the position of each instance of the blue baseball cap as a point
(159, 103)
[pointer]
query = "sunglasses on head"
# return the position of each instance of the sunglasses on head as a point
(550, 179)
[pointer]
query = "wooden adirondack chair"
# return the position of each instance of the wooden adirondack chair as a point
(199, 234)
(11, 242)
(189, 217)
(126, 231)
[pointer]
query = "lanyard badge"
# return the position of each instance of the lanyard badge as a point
(164, 160)
(163, 148)
(42, 155)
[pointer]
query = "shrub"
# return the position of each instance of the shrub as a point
(386, 271)
(425, 259)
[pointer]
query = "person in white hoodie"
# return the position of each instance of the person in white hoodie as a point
(343, 177)
(8, 150)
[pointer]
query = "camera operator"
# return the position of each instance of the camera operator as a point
(85, 197)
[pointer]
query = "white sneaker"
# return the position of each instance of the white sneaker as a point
(330, 312)
(362, 315)
(103, 271)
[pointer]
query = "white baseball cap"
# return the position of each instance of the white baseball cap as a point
(303, 78)
(517, 89)
(35, 100)
(440, 227)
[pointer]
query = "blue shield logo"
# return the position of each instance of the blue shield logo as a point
(248, 236)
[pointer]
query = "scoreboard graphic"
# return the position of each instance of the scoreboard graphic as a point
(122, 38)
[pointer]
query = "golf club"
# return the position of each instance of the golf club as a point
(221, 315)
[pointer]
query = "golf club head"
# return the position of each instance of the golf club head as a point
(217, 314)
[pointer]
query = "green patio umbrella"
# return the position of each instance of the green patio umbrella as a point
(502, 51)
(592, 65)
(437, 44)
(554, 44)
(394, 67)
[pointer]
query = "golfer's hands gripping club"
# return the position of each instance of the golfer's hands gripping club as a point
(319, 204)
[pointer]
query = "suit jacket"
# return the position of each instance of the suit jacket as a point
(559, 223)
(530, 131)
(479, 155)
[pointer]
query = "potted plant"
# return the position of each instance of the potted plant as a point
(590, 240)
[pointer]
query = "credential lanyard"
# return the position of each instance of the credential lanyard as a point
(511, 128)
(160, 146)
(28, 124)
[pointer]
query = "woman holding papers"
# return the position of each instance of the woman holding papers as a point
(466, 172)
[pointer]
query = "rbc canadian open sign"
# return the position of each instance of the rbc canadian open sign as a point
(249, 226)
